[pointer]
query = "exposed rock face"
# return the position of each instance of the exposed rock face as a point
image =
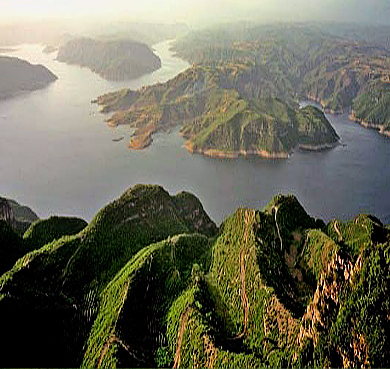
(6, 211)
(326, 297)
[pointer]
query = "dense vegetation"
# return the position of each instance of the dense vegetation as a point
(17, 76)
(45, 231)
(152, 282)
(215, 118)
(111, 59)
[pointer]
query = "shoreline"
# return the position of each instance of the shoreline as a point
(380, 127)
(321, 147)
(214, 153)
(142, 141)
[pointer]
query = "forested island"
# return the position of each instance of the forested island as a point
(18, 76)
(112, 59)
(151, 281)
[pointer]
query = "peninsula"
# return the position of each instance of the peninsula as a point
(216, 119)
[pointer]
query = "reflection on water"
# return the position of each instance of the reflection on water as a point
(58, 156)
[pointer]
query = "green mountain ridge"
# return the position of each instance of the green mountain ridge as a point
(152, 282)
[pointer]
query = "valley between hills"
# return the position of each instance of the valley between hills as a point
(151, 281)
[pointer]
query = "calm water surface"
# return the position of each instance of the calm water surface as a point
(58, 156)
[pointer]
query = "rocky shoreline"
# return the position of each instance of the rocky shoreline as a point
(214, 153)
(322, 147)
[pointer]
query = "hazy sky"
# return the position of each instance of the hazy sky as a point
(196, 12)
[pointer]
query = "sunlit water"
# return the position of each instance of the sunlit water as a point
(58, 156)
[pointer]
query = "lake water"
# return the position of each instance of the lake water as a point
(58, 156)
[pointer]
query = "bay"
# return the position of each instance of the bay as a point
(58, 156)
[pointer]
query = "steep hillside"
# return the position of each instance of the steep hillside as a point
(215, 118)
(22, 212)
(281, 294)
(151, 283)
(12, 246)
(17, 76)
(112, 60)
(53, 291)
(139, 297)
(372, 107)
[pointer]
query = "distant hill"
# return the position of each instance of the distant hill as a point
(17, 76)
(57, 32)
(21, 231)
(216, 119)
(148, 33)
(151, 282)
(112, 60)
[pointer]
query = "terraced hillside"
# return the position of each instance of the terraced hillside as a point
(152, 282)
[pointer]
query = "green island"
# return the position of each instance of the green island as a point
(242, 92)
(115, 59)
(18, 76)
(151, 281)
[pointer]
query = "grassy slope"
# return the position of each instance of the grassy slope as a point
(372, 106)
(314, 128)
